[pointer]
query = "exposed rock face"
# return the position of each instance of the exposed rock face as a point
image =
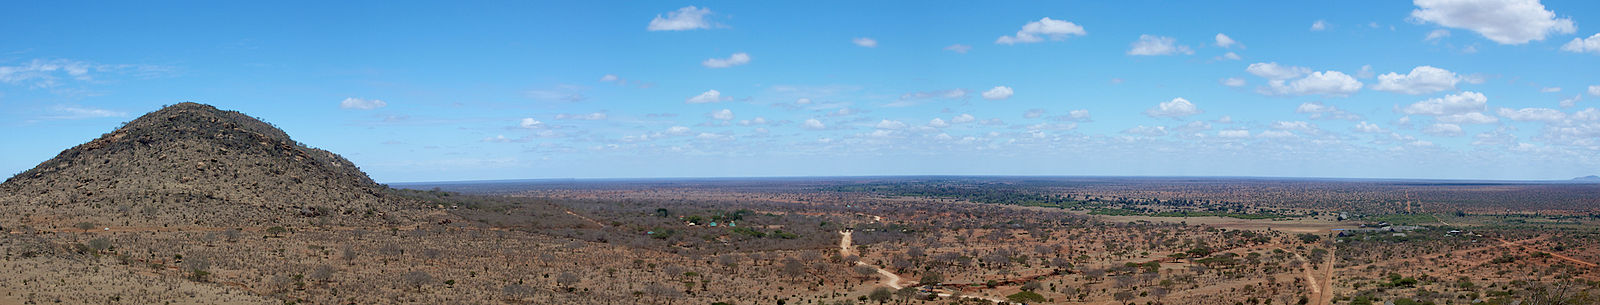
(192, 164)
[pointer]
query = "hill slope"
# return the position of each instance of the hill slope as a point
(192, 164)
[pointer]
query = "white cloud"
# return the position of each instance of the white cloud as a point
(1550, 89)
(1363, 126)
(714, 137)
(813, 124)
(710, 96)
(1436, 35)
(1328, 83)
(1234, 133)
(963, 119)
(724, 114)
(685, 18)
(1468, 118)
(1460, 103)
(1319, 25)
(1226, 42)
(1366, 72)
(1442, 129)
(802, 101)
(1229, 56)
(732, 60)
(677, 130)
(1572, 101)
(755, 121)
(1033, 113)
(1319, 111)
(997, 93)
(596, 116)
(81, 112)
(888, 124)
(1274, 71)
(1421, 80)
(362, 104)
(1149, 45)
(865, 42)
(1080, 115)
(1594, 90)
(1583, 45)
(1233, 82)
(1275, 134)
(1533, 114)
(1293, 125)
(1503, 21)
(1149, 131)
(1054, 29)
(1176, 108)
(958, 48)
(938, 123)
(530, 123)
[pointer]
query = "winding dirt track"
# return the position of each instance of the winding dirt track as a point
(893, 280)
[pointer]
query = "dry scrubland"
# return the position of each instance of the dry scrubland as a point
(192, 204)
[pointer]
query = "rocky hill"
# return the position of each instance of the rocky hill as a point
(194, 165)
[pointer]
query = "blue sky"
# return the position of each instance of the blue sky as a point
(1459, 89)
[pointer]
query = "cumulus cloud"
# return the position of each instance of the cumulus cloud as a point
(938, 123)
(1365, 127)
(714, 137)
(1234, 133)
(724, 114)
(1532, 114)
(1503, 21)
(1468, 118)
(958, 48)
(1274, 71)
(732, 60)
(1176, 108)
(1452, 104)
(596, 116)
(710, 96)
(1037, 31)
(1233, 82)
(683, 19)
(1443, 130)
(890, 124)
(1293, 125)
(865, 42)
(1033, 113)
(1149, 131)
(1437, 35)
(755, 121)
(1226, 42)
(1276, 134)
(1319, 25)
(1149, 45)
(997, 93)
(362, 104)
(677, 130)
(530, 123)
(1319, 111)
(1594, 90)
(1228, 56)
(1079, 115)
(1328, 83)
(1421, 80)
(963, 119)
(1583, 45)
(813, 124)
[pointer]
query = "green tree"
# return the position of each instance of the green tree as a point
(880, 294)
